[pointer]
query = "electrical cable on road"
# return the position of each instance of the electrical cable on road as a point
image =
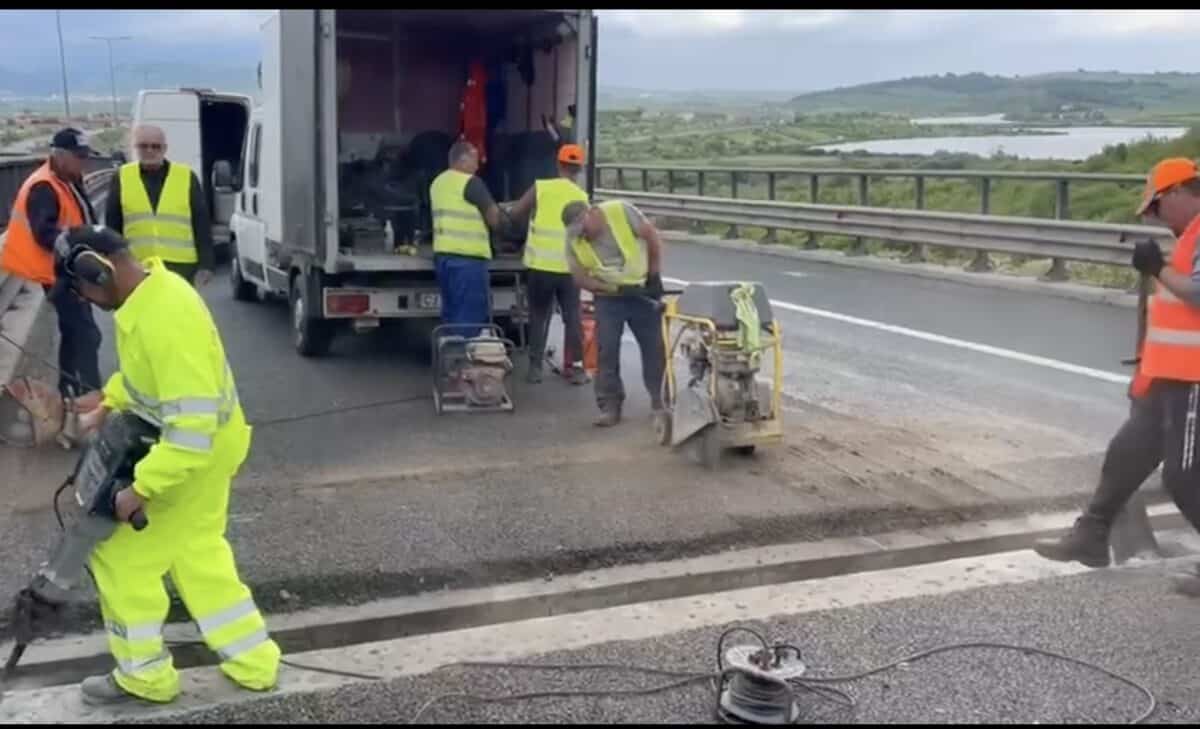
(254, 423)
(771, 656)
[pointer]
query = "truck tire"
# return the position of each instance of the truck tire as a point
(243, 290)
(312, 336)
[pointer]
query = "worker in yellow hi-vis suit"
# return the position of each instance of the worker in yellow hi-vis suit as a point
(173, 373)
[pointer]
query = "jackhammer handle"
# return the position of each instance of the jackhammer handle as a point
(138, 520)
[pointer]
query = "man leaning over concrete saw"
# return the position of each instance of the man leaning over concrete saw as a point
(616, 253)
(173, 373)
(1162, 425)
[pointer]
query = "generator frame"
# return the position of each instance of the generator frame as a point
(719, 435)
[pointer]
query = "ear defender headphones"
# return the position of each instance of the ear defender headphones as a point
(77, 260)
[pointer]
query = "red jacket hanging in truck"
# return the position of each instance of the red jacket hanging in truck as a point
(472, 117)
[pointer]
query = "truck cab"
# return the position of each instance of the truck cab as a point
(206, 130)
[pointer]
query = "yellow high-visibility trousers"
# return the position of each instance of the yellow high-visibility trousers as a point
(189, 544)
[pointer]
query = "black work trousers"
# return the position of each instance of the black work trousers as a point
(1163, 427)
(544, 289)
(79, 345)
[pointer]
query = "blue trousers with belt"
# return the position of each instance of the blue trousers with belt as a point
(465, 286)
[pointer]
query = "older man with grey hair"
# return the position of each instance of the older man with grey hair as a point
(160, 208)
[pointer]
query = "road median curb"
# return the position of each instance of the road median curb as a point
(1066, 290)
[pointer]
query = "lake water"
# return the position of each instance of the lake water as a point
(1070, 143)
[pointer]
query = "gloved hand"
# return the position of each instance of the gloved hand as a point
(1148, 258)
(654, 286)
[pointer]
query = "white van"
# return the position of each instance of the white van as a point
(206, 130)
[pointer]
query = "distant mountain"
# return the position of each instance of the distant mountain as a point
(1112, 93)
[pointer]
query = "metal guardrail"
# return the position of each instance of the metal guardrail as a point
(93, 184)
(678, 177)
(1104, 243)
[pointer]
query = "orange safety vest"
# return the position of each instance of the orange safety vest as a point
(21, 255)
(1171, 350)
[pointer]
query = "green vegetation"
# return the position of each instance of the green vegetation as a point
(1102, 202)
(1076, 96)
(107, 141)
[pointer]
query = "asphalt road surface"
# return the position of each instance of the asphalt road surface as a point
(983, 402)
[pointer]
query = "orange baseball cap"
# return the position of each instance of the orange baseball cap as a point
(571, 154)
(1165, 175)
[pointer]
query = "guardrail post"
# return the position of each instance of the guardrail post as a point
(916, 252)
(645, 180)
(981, 263)
(698, 225)
(620, 178)
(770, 237)
(670, 182)
(1062, 211)
(859, 246)
(814, 194)
(733, 231)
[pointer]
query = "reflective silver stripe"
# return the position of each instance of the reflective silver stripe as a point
(151, 217)
(237, 648)
(461, 235)
(164, 242)
(187, 439)
(145, 631)
(17, 216)
(192, 406)
(1184, 337)
(227, 616)
(1165, 294)
(473, 217)
(131, 667)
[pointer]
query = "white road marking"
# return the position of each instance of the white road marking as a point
(797, 274)
(1032, 359)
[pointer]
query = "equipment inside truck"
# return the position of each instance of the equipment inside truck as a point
(402, 79)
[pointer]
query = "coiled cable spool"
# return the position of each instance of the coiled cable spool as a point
(754, 685)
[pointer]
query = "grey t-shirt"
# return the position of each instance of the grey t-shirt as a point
(477, 194)
(606, 247)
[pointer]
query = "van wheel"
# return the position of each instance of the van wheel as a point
(311, 336)
(243, 290)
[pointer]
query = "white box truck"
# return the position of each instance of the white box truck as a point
(205, 130)
(357, 112)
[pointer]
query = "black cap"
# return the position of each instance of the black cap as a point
(71, 140)
(98, 238)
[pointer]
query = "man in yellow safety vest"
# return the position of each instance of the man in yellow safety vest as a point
(160, 208)
(174, 375)
(464, 212)
(546, 259)
(616, 253)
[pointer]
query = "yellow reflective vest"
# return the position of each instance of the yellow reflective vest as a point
(164, 233)
(458, 227)
(546, 243)
(173, 373)
(635, 264)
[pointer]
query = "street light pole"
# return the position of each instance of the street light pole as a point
(62, 60)
(112, 74)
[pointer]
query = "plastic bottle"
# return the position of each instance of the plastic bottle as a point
(389, 237)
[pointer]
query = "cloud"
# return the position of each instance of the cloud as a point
(710, 23)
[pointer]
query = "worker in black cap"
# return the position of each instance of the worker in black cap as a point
(51, 201)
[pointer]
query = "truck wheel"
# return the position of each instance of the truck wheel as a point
(311, 336)
(243, 290)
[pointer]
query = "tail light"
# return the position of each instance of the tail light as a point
(347, 304)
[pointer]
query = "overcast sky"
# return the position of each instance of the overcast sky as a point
(781, 50)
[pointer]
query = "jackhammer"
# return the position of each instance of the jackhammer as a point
(104, 468)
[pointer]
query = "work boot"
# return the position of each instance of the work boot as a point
(608, 418)
(579, 375)
(534, 376)
(104, 690)
(1086, 543)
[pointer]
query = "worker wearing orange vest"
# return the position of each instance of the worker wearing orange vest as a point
(1164, 421)
(50, 201)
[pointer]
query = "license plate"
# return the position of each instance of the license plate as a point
(429, 301)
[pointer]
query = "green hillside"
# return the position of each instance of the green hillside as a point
(1078, 95)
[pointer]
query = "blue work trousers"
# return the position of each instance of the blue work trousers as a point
(466, 297)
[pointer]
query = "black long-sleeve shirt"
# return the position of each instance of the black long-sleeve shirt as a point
(41, 207)
(154, 180)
